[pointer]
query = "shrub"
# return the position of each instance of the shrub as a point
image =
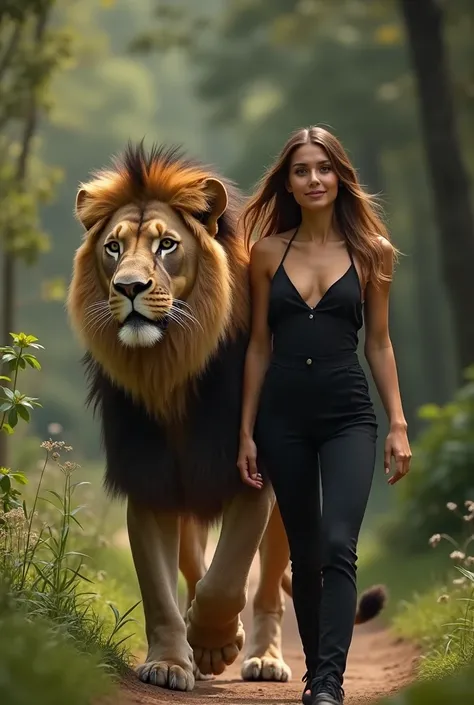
(441, 472)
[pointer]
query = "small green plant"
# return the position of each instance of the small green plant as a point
(14, 406)
(14, 403)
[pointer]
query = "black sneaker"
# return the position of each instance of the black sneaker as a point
(326, 690)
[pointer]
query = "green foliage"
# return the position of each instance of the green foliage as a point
(14, 404)
(442, 622)
(456, 688)
(176, 26)
(442, 619)
(441, 472)
(43, 573)
(48, 576)
(40, 664)
(32, 53)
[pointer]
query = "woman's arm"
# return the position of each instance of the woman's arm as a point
(381, 359)
(256, 360)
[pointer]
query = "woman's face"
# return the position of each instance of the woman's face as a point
(311, 179)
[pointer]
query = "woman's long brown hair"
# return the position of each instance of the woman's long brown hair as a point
(272, 209)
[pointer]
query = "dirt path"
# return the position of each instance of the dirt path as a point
(378, 665)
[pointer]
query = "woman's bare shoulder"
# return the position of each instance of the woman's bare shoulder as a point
(272, 244)
(267, 252)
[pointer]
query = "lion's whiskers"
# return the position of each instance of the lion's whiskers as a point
(182, 322)
(97, 306)
(182, 317)
(183, 303)
(98, 317)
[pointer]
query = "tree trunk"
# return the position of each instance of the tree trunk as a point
(428, 300)
(8, 282)
(424, 24)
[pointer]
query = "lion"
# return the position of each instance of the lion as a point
(159, 299)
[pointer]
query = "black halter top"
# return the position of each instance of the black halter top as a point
(329, 329)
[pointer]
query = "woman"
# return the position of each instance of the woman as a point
(322, 256)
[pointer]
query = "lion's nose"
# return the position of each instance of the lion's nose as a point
(132, 289)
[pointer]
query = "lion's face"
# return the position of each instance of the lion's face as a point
(148, 263)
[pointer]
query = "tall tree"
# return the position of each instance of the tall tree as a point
(30, 53)
(450, 183)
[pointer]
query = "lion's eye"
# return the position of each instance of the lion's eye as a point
(113, 248)
(168, 245)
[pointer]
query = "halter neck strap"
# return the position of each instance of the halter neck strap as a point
(289, 245)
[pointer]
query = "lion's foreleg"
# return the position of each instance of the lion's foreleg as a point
(263, 659)
(154, 540)
(215, 630)
(192, 550)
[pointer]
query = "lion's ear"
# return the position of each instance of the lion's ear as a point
(218, 199)
(81, 209)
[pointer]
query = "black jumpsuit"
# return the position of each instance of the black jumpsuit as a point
(316, 421)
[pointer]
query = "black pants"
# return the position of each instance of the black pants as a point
(316, 422)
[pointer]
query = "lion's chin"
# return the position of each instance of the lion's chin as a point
(144, 336)
(137, 332)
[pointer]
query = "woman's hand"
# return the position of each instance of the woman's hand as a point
(397, 445)
(247, 464)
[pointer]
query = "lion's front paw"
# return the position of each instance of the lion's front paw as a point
(166, 675)
(266, 668)
(198, 676)
(215, 648)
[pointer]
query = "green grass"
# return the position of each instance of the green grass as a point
(60, 639)
(39, 663)
(444, 629)
(425, 605)
(453, 689)
(48, 572)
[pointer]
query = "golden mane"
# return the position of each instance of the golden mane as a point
(159, 377)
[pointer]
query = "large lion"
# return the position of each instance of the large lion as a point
(159, 299)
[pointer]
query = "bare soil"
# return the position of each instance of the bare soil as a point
(378, 665)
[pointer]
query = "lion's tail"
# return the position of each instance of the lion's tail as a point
(371, 602)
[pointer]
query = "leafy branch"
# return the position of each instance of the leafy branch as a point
(15, 405)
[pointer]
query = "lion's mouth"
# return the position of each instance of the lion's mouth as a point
(137, 320)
